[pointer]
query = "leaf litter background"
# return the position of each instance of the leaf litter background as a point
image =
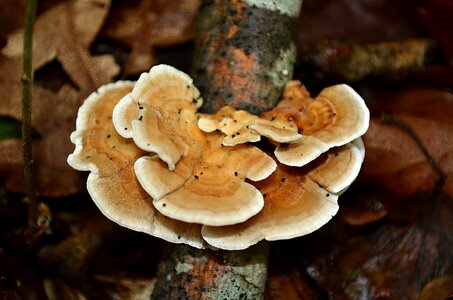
(393, 236)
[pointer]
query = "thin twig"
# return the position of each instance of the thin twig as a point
(27, 84)
(393, 120)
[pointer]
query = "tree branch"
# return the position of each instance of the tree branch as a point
(244, 55)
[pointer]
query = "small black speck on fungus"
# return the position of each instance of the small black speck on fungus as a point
(336, 153)
(264, 195)
(233, 135)
(327, 195)
(141, 107)
(196, 177)
(108, 136)
(125, 128)
(283, 179)
(235, 173)
(334, 114)
(140, 118)
(179, 237)
(164, 204)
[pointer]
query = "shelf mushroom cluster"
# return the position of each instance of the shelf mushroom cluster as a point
(158, 166)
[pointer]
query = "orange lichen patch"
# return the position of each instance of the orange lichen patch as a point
(335, 117)
(112, 183)
(241, 127)
(156, 112)
(207, 185)
(232, 31)
(297, 201)
(233, 74)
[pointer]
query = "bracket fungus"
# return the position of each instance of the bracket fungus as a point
(112, 182)
(159, 167)
(241, 127)
(337, 116)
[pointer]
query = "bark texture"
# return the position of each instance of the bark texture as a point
(191, 273)
(244, 55)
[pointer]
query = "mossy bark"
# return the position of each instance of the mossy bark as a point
(244, 55)
(190, 273)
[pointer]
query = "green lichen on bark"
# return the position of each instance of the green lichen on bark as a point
(208, 274)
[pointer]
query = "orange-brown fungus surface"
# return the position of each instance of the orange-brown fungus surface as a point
(335, 117)
(297, 201)
(112, 183)
(241, 127)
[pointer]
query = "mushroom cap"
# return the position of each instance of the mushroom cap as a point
(297, 201)
(241, 127)
(112, 183)
(163, 132)
(340, 168)
(207, 186)
(163, 92)
(334, 118)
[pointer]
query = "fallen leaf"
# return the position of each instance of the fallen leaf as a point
(65, 33)
(281, 287)
(392, 261)
(11, 15)
(363, 207)
(439, 288)
(62, 33)
(394, 160)
(143, 25)
(436, 14)
(128, 287)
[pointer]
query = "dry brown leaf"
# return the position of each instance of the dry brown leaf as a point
(392, 261)
(393, 158)
(11, 15)
(64, 33)
(282, 287)
(143, 25)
